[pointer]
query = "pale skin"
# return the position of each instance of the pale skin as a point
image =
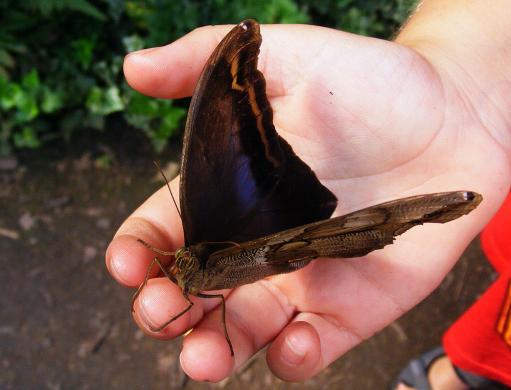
(376, 121)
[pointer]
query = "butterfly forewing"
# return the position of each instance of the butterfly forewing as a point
(239, 179)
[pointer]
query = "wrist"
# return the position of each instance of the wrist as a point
(468, 43)
(460, 35)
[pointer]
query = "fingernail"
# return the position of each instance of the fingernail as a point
(117, 267)
(294, 350)
(143, 311)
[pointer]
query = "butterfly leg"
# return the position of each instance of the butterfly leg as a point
(159, 328)
(223, 316)
(155, 250)
(143, 284)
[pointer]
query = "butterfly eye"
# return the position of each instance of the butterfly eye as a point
(183, 260)
(179, 261)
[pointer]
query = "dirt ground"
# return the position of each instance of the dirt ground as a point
(67, 325)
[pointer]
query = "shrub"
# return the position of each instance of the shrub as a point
(61, 60)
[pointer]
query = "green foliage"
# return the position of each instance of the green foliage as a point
(157, 118)
(61, 60)
(154, 17)
(366, 17)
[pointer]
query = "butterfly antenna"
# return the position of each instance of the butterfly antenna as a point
(168, 186)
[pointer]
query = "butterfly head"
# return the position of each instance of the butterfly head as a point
(185, 268)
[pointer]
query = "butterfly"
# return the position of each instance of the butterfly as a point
(250, 207)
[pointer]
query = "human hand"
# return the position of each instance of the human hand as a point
(375, 121)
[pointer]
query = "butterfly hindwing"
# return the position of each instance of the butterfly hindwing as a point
(351, 235)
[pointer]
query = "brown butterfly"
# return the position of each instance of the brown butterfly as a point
(250, 207)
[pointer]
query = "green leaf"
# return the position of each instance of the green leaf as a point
(95, 100)
(139, 104)
(10, 95)
(47, 7)
(108, 71)
(104, 161)
(171, 120)
(132, 43)
(86, 8)
(26, 109)
(83, 51)
(104, 101)
(285, 11)
(51, 101)
(30, 81)
(113, 101)
(26, 138)
(169, 124)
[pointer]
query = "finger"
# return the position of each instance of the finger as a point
(156, 222)
(206, 356)
(160, 301)
(307, 346)
(172, 71)
(255, 314)
(295, 355)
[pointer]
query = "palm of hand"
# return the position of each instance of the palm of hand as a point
(375, 122)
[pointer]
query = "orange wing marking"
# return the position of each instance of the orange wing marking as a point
(255, 108)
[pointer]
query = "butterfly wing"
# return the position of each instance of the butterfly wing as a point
(363, 231)
(239, 179)
(352, 235)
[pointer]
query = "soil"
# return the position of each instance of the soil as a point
(67, 324)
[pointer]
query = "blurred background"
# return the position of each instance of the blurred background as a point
(76, 152)
(61, 60)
